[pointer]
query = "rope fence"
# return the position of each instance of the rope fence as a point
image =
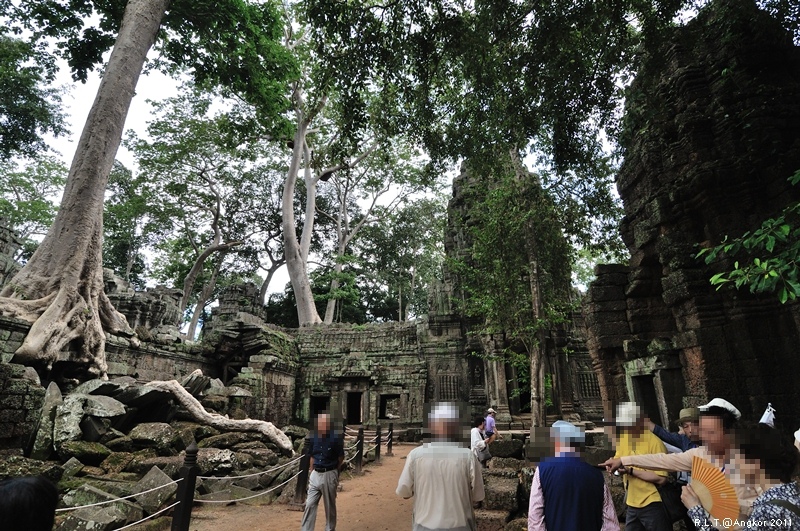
(278, 467)
(129, 496)
(250, 497)
(165, 509)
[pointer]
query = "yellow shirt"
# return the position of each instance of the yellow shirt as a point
(640, 492)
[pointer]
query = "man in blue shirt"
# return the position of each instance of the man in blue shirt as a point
(688, 422)
(327, 457)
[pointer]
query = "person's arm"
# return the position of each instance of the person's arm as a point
(675, 439)
(340, 452)
(658, 479)
(311, 464)
(405, 485)
(610, 520)
(536, 506)
(672, 462)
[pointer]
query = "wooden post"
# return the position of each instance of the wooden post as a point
(390, 436)
(360, 450)
(182, 514)
(378, 445)
(299, 500)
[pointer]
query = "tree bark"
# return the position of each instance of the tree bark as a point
(330, 309)
(60, 290)
(205, 294)
(296, 258)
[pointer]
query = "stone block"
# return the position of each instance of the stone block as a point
(507, 448)
(43, 441)
(103, 406)
(506, 463)
(501, 493)
(152, 501)
(71, 467)
(121, 444)
(117, 462)
(487, 520)
(88, 453)
(156, 435)
(105, 517)
(67, 423)
(15, 466)
(228, 440)
(518, 524)
(94, 428)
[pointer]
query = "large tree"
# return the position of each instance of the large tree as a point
(232, 43)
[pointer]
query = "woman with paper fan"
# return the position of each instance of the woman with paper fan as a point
(770, 462)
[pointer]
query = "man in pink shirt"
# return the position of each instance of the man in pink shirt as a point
(567, 493)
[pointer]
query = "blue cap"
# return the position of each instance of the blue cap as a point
(567, 432)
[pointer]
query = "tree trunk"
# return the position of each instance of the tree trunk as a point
(197, 267)
(296, 263)
(205, 294)
(330, 309)
(538, 415)
(267, 281)
(60, 290)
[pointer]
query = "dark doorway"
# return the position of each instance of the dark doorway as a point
(319, 404)
(390, 407)
(354, 408)
(644, 389)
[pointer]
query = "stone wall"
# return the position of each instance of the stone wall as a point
(712, 132)
(21, 398)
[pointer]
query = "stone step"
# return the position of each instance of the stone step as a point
(501, 493)
(488, 520)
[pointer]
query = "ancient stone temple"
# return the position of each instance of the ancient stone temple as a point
(712, 134)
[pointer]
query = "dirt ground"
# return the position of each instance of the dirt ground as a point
(365, 503)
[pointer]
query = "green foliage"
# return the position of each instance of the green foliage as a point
(234, 45)
(29, 108)
(126, 233)
(767, 259)
(28, 195)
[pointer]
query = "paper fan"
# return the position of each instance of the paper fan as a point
(716, 493)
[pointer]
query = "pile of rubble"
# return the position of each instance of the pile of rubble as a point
(109, 439)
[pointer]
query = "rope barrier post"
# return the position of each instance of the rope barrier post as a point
(185, 495)
(390, 436)
(360, 450)
(378, 445)
(299, 499)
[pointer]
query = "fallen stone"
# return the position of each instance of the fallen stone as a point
(71, 467)
(31, 375)
(236, 495)
(43, 442)
(92, 471)
(105, 517)
(88, 453)
(230, 391)
(250, 445)
(67, 422)
(100, 387)
(215, 403)
(250, 482)
(122, 444)
(94, 428)
(116, 462)
(262, 457)
(171, 466)
(195, 383)
(110, 435)
(103, 406)
(519, 524)
(244, 461)
(228, 440)
(209, 485)
(141, 396)
(295, 432)
(152, 501)
(156, 435)
(212, 461)
(15, 466)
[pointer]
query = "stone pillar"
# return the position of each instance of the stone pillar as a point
(496, 388)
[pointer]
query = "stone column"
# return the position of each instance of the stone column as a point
(496, 388)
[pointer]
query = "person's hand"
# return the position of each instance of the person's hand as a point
(649, 423)
(689, 497)
(613, 465)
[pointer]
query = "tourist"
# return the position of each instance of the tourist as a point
(477, 442)
(690, 434)
(491, 426)
(645, 511)
(27, 504)
(443, 476)
(717, 421)
(567, 493)
(327, 457)
(770, 462)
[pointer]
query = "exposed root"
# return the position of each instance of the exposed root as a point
(24, 309)
(215, 420)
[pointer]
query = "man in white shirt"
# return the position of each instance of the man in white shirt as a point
(443, 476)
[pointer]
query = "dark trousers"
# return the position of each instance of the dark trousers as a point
(651, 517)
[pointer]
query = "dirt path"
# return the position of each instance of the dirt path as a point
(366, 503)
